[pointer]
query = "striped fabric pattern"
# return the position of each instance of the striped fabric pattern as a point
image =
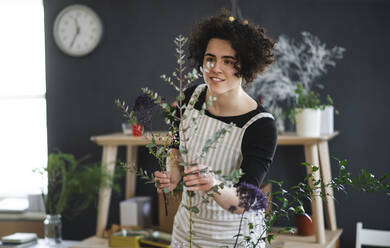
(213, 226)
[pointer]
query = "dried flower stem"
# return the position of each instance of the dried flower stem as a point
(239, 229)
(182, 41)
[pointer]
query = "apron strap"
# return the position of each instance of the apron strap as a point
(256, 117)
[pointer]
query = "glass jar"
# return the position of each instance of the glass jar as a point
(53, 229)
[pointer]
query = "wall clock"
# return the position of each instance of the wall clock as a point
(77, 30)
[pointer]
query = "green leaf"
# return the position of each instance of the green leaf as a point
(190, 193)
(195, 210)
(281, 199)
(160, 150)
(308, 216)
(150, 145)
(182, 150)
(270, 237)
(215, 189)
(182, 163)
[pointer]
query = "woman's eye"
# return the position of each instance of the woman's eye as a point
(228, 62)
(209, 59)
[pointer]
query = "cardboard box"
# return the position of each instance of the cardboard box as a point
(136, 211)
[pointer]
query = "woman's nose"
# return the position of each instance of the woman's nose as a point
(216, 66)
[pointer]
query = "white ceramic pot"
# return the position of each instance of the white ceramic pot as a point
(327, 120)
(308, 122)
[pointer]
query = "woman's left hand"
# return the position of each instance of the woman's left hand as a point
(199, 178)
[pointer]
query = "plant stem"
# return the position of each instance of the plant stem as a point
(183, 133)
(190, 222)
(239, 229)
(261, 235)
(165, 204)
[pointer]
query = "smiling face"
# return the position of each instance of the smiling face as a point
(218, 67)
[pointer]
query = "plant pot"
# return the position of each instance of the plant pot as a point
(308, 122)
(304, 226)
(137, 130)
(327, 120)
(53, 229)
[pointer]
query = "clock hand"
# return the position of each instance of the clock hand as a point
(76, 34)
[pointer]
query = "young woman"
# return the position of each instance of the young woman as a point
(231, 53)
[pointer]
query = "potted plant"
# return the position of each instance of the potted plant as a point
(307, 111)
(71, 185)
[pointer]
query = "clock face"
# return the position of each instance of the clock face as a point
(77, 30)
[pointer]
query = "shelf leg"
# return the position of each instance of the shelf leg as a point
(132, 151)
(330, 211)
(108, 164)
(311, 155)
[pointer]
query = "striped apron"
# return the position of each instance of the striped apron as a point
(213, 226)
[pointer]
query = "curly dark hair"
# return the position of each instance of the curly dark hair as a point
(253, 48)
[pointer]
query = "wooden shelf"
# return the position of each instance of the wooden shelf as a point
(286, 138)
(92, 242)
(291, 138)
(296, 241)
(127, 139)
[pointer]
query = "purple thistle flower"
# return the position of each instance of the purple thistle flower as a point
(251, 197)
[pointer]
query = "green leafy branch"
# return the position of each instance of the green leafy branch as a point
(289, 201)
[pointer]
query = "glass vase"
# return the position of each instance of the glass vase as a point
(53, 229)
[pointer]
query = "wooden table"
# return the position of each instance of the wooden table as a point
(64, 244)
(316, 153)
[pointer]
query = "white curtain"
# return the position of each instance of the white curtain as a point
(23, 131)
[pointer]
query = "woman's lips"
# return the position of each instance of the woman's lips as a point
(216, 79)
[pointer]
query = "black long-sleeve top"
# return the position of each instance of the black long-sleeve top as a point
(258, 143)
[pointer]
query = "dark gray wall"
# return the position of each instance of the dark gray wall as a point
(137, 48)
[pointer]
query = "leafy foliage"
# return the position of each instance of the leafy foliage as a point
(289, 201)
(71, 182)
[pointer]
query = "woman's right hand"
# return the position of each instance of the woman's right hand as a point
(167, 180)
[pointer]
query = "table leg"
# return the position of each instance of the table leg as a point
(132, 151)
(108, 165)
(311, 155)
(330, 211)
